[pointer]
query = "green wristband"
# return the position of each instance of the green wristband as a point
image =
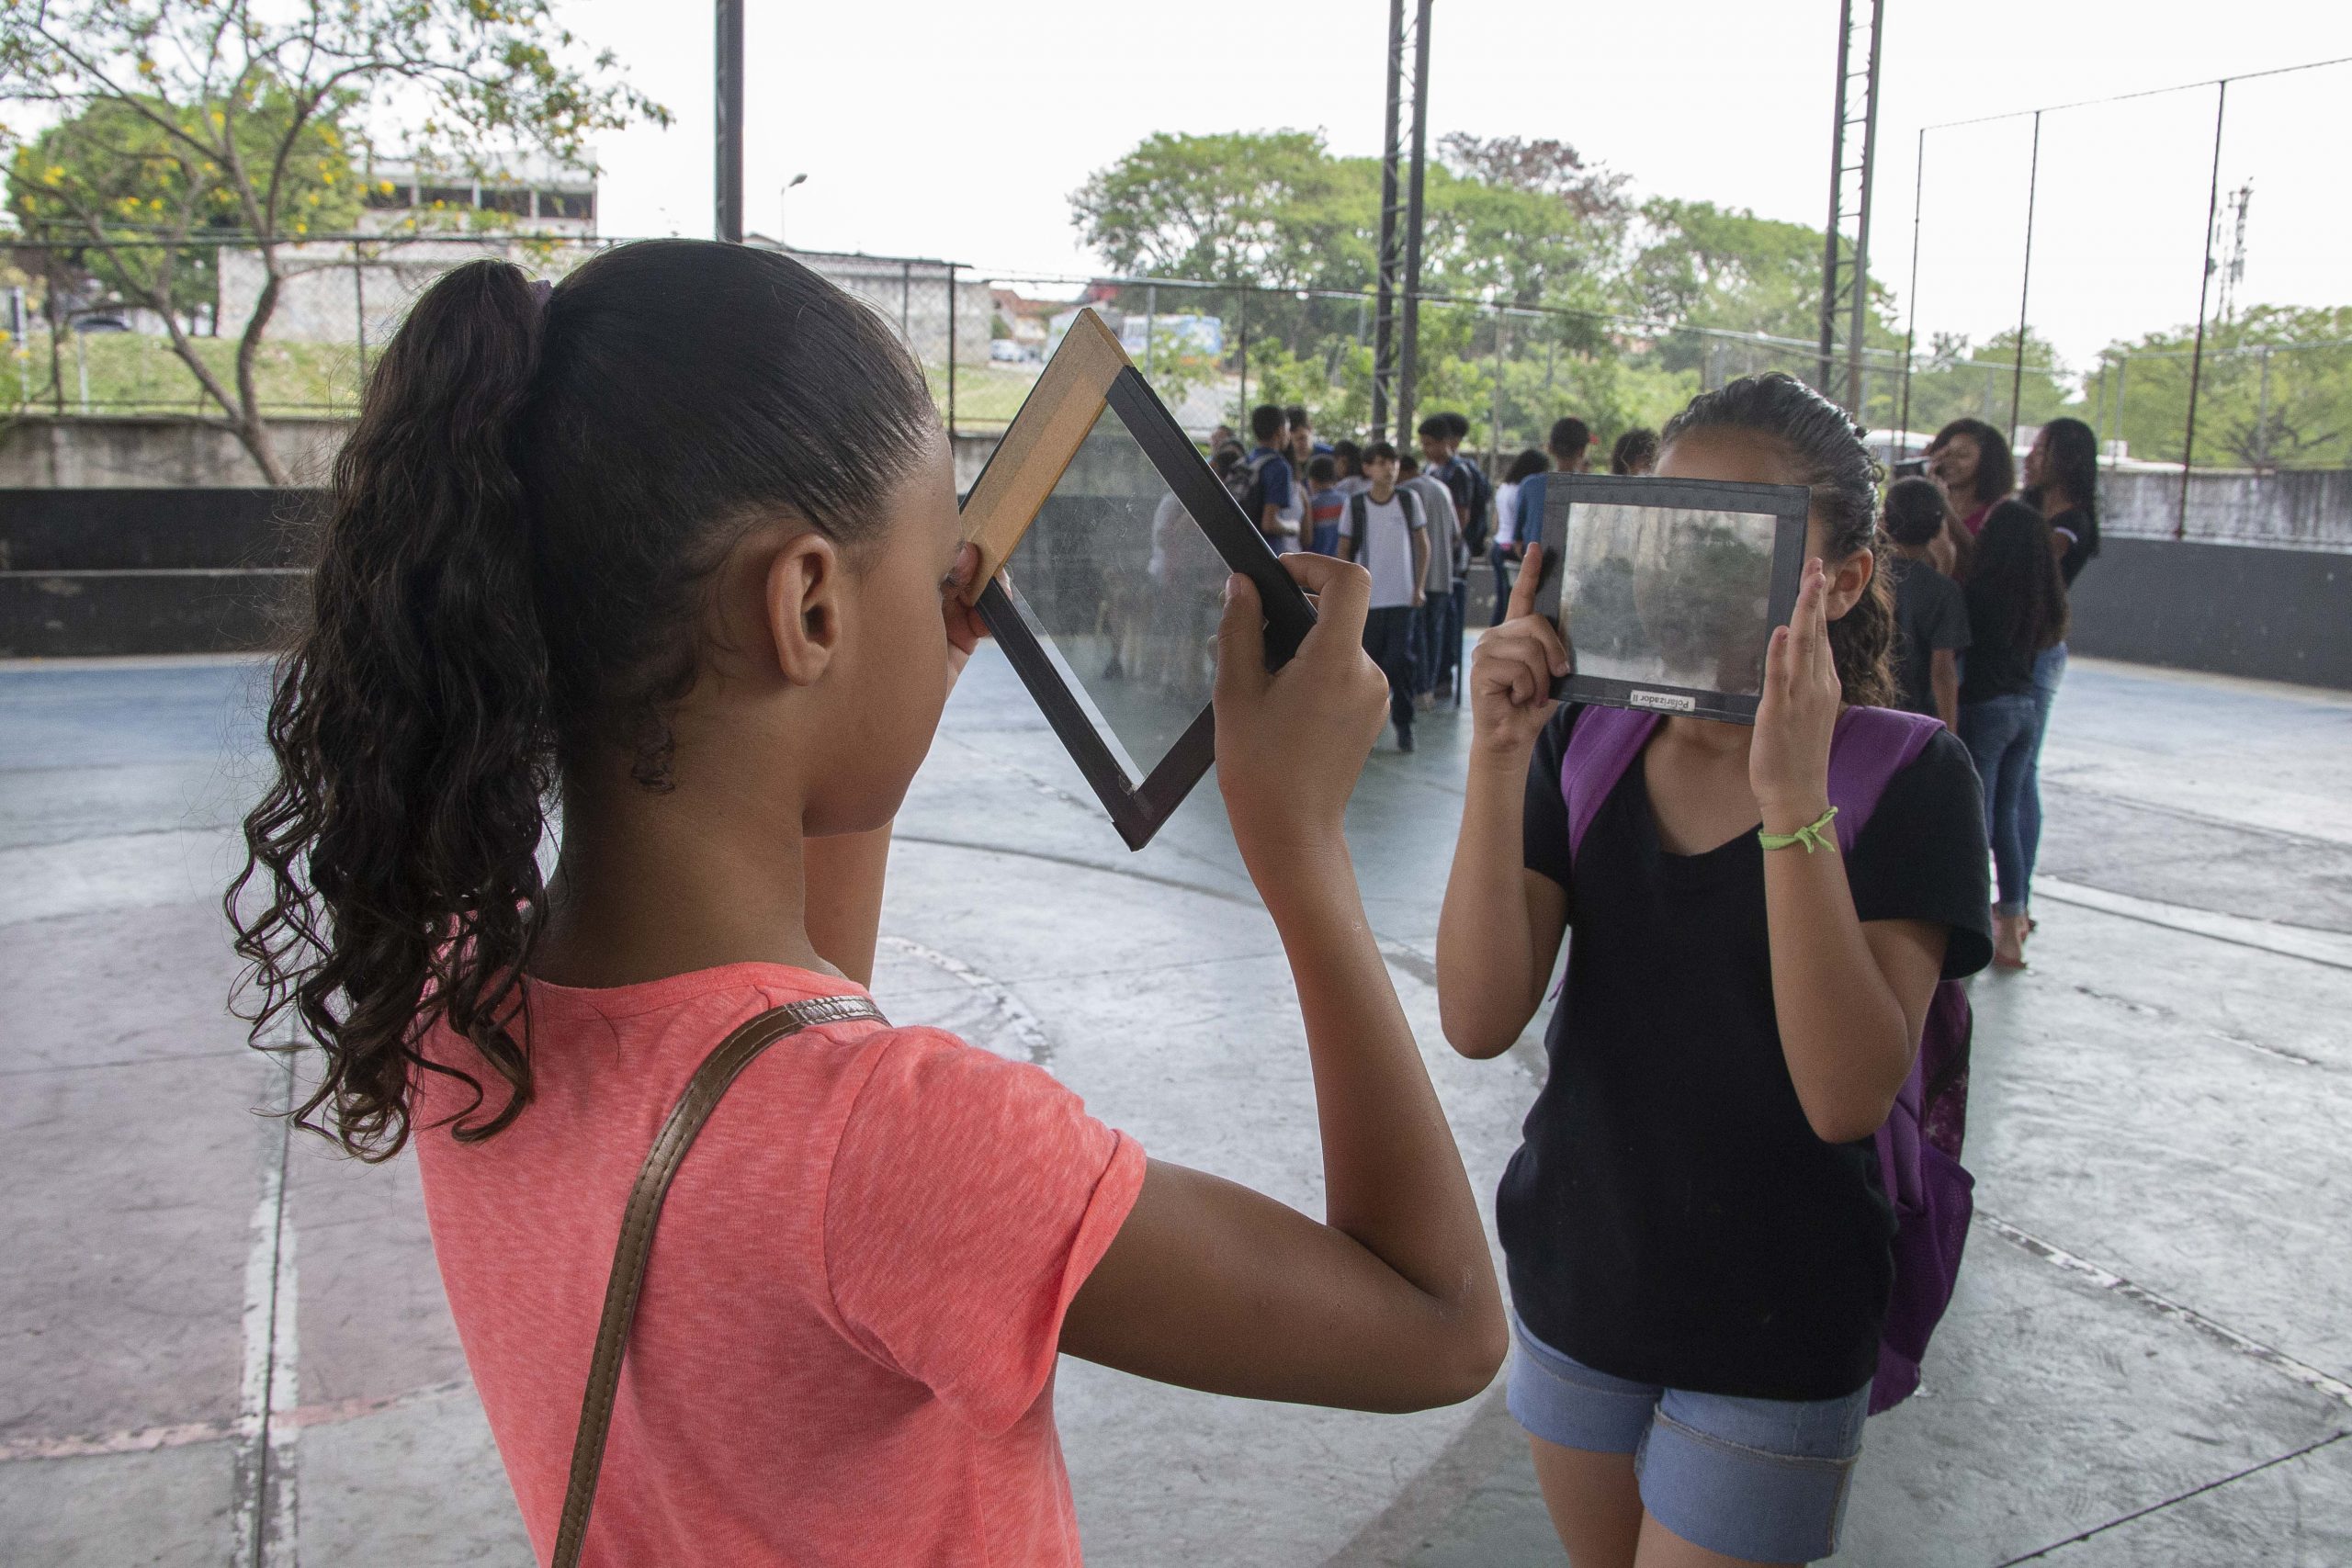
(1813, 835)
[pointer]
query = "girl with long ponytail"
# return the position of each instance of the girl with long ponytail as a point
(655, 577)
(1699, 1245)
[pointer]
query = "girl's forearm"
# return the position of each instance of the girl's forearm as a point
(1842, 1028)
(1392, 1178)
(1487, 949)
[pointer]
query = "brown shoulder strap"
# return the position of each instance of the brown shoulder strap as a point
(701, 1095)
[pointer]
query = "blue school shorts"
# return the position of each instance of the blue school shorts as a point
(1759, 1478)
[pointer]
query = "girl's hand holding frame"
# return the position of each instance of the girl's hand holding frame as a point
(1513, 669)
(1788, 760)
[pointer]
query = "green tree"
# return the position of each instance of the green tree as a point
(183, 119)
(2275, 391)
(1957, 380)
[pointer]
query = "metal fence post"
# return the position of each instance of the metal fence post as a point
(951, 351)
(2204, 281)
(1495, 410)
(1242, 310)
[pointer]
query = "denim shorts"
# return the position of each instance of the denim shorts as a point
(1759, 1478)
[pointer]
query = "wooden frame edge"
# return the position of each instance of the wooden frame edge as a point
(1038, 444)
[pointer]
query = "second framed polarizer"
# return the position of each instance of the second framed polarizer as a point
(1666, 592)
(1114, 540)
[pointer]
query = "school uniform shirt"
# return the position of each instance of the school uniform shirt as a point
(1386, 552)
(1445, 525)
(1671, 1217)
(1272, 488)
(846, 1347)
(1930, 616)
(1506, 514)
(1323, 513)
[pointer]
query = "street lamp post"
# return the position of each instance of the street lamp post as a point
(796, 179)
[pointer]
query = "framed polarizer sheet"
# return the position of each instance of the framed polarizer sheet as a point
(1105, 542)
(1667, 591)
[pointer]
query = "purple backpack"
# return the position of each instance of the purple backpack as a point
(1918, 1149)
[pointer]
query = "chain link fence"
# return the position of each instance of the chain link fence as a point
(81, 342)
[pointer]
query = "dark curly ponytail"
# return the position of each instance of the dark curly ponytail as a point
(507, 582)
(1828, 450)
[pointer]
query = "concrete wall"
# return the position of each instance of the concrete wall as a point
(2310, 510)
(2269, 615)
(43, 451)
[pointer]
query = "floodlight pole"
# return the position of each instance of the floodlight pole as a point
(1836, 275)
(1911, 300)
(1407, 364)
(727, 120)
(1384, 352)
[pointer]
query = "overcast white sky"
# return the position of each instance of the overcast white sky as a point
(959, 130)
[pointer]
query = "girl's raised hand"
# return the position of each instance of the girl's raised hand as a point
(1512, 668)
(1788, 762)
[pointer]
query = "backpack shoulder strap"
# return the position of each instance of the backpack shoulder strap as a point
(1869, 746)
(700, 1098)
(1358, 516)
(1412, 506)
(1602, 743)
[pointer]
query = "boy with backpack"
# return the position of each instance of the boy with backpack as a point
(1263, 484)
(1384, 528)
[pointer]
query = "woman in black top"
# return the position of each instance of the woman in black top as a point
(1698, 1244)
(2062, 482)
(2017, 612)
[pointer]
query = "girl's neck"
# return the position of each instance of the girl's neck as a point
(651, 886)
(2054, 500)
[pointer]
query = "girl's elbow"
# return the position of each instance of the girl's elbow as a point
(1846, 1118)
(1479, 1039)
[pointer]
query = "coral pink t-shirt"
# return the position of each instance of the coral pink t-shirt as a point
(846, 1347)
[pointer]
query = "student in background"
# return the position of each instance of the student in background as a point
(1930, 613)
(2017, 610)
(2062, 483)
(1304, 446)
(1349, 457)
(1570, 445)
(679, 539)
(1270, 500)
(1636, 452)
(1973, 462)
(1383, 529)
(1436, 621)
(1506, 546)
(1324, 502)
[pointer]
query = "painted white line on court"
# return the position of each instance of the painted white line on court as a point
(1017, 1017)
(2333, 948)
(264, 1514)
(2277, 1359)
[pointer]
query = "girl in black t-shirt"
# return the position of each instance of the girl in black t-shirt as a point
(2017, 614)
(1697, 1242)
(2062, 483)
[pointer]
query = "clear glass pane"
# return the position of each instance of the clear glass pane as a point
(1668, 595)
(1124, 591)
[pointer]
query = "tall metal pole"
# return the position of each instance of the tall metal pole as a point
(1861, 284)
(2025, 277)
(1829, 258)
(1409, 362)
(2204, 282)
(728, 121)
(1384, 352)
(1911, 299)
(952, 267)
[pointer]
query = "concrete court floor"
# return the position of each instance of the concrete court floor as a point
(224, 1345)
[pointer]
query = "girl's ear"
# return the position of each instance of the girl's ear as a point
(1848, 580)
(804, 601)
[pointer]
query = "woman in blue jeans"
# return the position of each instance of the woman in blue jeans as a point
(2062, 483)
(2017, 610)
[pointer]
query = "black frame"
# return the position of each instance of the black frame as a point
(1138, 807)
(1789, 506)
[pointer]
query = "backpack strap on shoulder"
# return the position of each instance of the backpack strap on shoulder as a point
(1869, 747)
(695, 1102)
(1602, 743)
